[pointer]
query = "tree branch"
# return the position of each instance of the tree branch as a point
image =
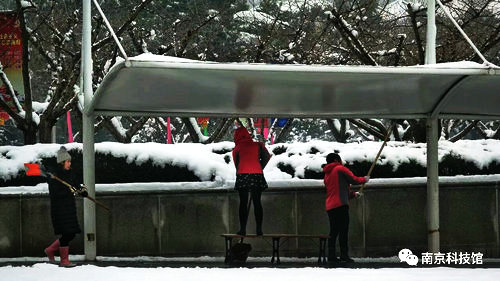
(353, 42)
(418, 40)
(361, 124)
(131, 17)
(191, 130)
(284, 132)
(464, 132)
(218, 130)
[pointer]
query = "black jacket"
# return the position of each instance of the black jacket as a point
(62, 203)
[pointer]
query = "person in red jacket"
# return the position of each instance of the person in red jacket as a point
(338, 180)
(249, 158)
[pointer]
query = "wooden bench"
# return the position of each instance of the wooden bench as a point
(277, 240)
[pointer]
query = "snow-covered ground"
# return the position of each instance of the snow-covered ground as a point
(49, 272)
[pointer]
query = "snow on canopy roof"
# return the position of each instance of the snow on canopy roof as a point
(152, 85)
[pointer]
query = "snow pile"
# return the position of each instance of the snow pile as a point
(299, 156)
(205, 161)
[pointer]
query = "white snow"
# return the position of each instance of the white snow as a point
(253, 16)
(204, 162)
(247, 38)
(27, 4)
(220, 184)
(34, 116)
(454, 65)
(118, 125)
(49, 272)
(39, 107)
(460, 67)
(296, 6)
(197, 129)
(151, 57)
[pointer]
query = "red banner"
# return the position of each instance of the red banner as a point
(11, 56)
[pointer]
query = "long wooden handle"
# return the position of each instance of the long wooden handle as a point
(389, 131)
(97, 202)
(73, 189)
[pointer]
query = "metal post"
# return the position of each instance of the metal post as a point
(432, 186)
(88, 137)
(54, 130)
(430, 45)
(432, 142)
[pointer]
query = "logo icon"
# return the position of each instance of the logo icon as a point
(407, 256)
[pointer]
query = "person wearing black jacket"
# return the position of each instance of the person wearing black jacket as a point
(63, 207)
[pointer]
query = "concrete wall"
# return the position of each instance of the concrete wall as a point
(188, 223)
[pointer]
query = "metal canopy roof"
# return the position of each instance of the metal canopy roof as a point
(156, 87)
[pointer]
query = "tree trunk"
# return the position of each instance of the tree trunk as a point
(340, 136)
(30, 132)
(417, 130)
(284, 132)
(191, 130)
(45, 130)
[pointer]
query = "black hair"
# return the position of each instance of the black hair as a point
(333, 157)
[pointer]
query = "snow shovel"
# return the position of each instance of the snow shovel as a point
(238, 253)
(38, 170)
(389, 131)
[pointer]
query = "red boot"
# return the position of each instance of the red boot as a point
(64, 251)
(50, 251)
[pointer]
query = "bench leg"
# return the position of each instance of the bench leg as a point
(228, 242)
(322, 251)
(276, 250)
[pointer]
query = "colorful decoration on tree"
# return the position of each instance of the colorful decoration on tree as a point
(280, 123)
(70, 129)
(258, 124)
(203, 122)
(3, 117)
(169, 131)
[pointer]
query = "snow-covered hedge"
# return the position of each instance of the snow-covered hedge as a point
(154, 162)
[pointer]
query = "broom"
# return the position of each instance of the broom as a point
(389, 131)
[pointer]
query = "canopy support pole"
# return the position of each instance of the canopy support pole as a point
(432, 186)
(430, 45)
(471, 44)
(432, 142)
(88, 137)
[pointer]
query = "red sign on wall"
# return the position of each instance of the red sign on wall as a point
(11, 57)
(11, 49)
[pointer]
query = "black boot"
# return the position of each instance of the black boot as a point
(243, 220)
(344, 257)
(243, 227)
(332, 258)
(259, 230)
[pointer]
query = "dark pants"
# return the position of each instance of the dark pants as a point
(339, 226)
(65, 239)
(257, 207)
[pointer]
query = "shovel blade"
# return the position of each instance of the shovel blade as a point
(33, 169)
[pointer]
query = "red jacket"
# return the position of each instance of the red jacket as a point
(249, 157)
(338, 180)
